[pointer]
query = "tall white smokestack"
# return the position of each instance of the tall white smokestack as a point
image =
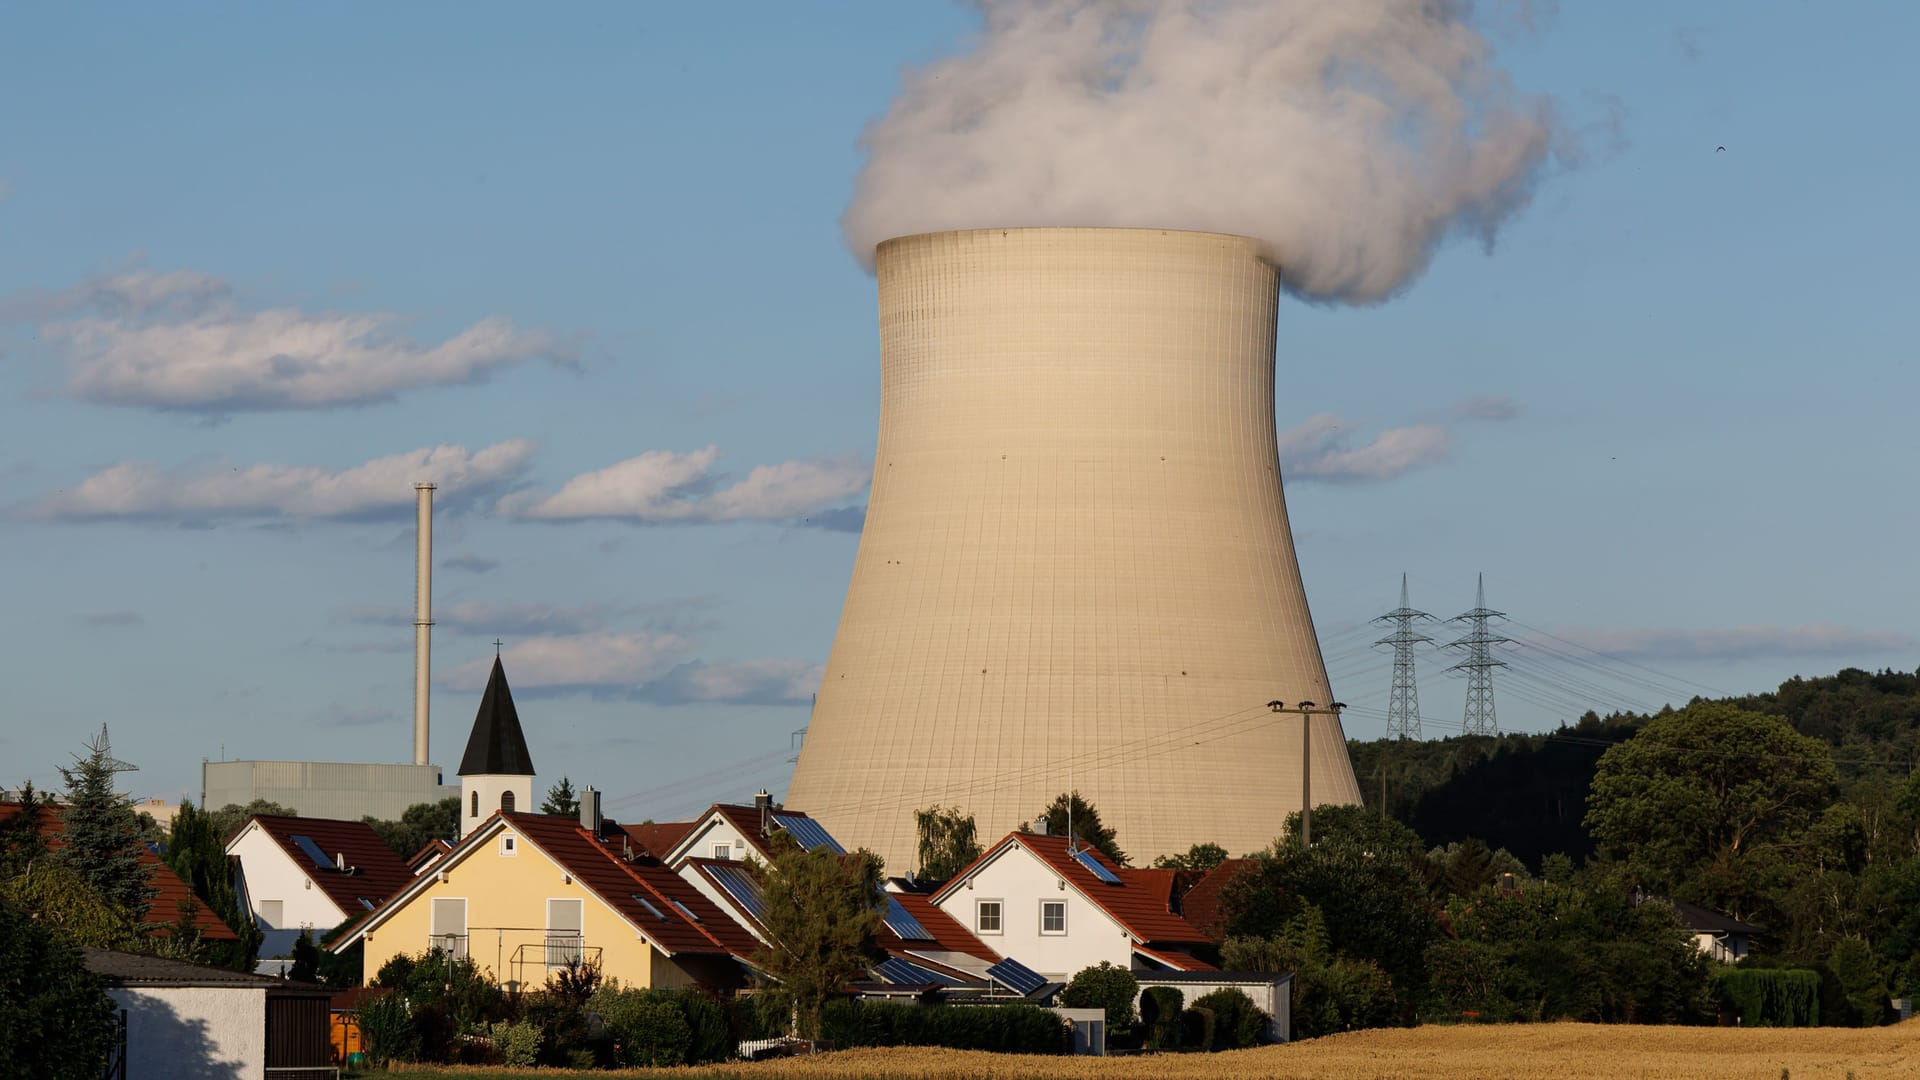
(422, 617)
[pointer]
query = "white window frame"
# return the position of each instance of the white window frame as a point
(723, 852)
(999, 916)
(509, 846)
(566, 941)
(1062, 905)
(277, 921)
(457, 947)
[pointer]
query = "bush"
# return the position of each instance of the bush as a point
(519, 1043)
(55, 1020)
(1237, 1022)
(1016, 1029)
(1104, 987)
(1196, 1028)
(1770, 997)
(1160, 1009)
(386, 1030)
(1861, 980)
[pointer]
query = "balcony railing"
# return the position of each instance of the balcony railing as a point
(454, 945)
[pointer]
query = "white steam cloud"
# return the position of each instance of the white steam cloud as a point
(1353, 137)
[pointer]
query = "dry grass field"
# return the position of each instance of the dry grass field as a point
(1578, 1051)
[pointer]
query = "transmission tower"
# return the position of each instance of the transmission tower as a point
(1403, 708)
(1478, 642)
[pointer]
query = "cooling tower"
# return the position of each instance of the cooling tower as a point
(1076, 570)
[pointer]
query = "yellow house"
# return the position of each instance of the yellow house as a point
(524, 894)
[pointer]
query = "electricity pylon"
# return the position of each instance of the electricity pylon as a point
(1478, 642)
(1403, 707)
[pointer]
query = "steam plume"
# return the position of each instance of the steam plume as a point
(1353, 136)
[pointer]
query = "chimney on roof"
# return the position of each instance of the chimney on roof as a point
(1040, 827)
(590, 810)
(763, 802)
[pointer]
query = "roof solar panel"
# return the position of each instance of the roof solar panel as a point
(312, 850)
(808, 833)
(740, 885)
(1087, 860)
(1016, 976)
(895, 970)
(902, 922)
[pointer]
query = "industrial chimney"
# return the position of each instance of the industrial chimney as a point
(1077, 570)
(422, 616)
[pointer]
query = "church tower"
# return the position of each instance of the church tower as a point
(497, 772)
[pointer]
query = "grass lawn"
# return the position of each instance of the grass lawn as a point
(1577, 1051)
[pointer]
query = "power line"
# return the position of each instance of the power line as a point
(1403, 704)
(1478, 641)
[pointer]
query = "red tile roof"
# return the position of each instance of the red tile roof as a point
(599, 866)
(1178, 961)
(659, 838)
(373, 870)
(948, 934)
(164, 910)
(428, 852)
(1141, 902)
(1201, 905)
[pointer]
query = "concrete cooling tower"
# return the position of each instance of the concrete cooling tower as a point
(1076, 571)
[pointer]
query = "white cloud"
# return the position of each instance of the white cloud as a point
(1742, 642)
(598, 660)
(1321, 449)
(750, 682)
(381, 487)
(662, 486)
(178, 340)
(473, 617)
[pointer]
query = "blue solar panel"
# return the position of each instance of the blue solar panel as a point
(895, 970)
(1087, 860)
(312, 850)
(1016, 976)
(808, 833)
(740, 885)
(902, 922)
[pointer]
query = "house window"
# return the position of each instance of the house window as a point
(508, 849)
(272, 914)
(474, 808)
(986, 916)
(447, 928)
(506, 801)
(723, 851)
(564, 937)
(1053, 916)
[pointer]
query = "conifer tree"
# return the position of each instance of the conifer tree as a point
(102, 834)
(21, 838)
(561, 799)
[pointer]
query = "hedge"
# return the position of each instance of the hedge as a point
(1014, 1029)
(1237, 1021)
(1770, 997)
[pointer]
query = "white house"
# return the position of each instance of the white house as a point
(300, 873)
(1058, 909)
(727, 831)
(189, 1020)
(1271, 993)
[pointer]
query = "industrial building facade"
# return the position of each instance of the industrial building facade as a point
(1077, 570)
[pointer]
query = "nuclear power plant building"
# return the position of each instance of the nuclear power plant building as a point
(1076, 570)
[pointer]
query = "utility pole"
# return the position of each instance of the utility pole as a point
(1307, 711)
(1403, 706)
(1478, 643)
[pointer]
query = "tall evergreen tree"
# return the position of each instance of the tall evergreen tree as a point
(21, 838)
(1071, 813)
(101, 838)
(561, 799)
(197, 853)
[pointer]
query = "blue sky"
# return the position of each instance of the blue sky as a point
(1667, 415)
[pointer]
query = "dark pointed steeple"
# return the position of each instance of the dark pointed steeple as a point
(497, 747)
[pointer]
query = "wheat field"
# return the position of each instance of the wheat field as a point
(1577, 1051)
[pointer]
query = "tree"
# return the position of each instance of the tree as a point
(1104, 987)
(561, 800)
(822, 911)
(1198, 857)
(56, 897)
(196, 853)
(55, 1020)
(101, 834)
(1085, 821)
(419, 824)
(1688, 800)
(228, 819)
(21, 837)
(947, 841)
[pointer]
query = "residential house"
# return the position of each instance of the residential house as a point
(526, 894)
(164, 911)
(191, 1020)
(1201, 903)
(1722, 937)
(310, 874)
(1057, 906)
(730, 831)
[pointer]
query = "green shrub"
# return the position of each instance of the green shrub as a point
(1104, 987)
(1020, 1029)
(710, 1030)
(1196, 1028)
(1861, 980)
(1160, 1009)
(386, 1029)
(519, 1043)
(1770, 997)
(1237, 1022)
